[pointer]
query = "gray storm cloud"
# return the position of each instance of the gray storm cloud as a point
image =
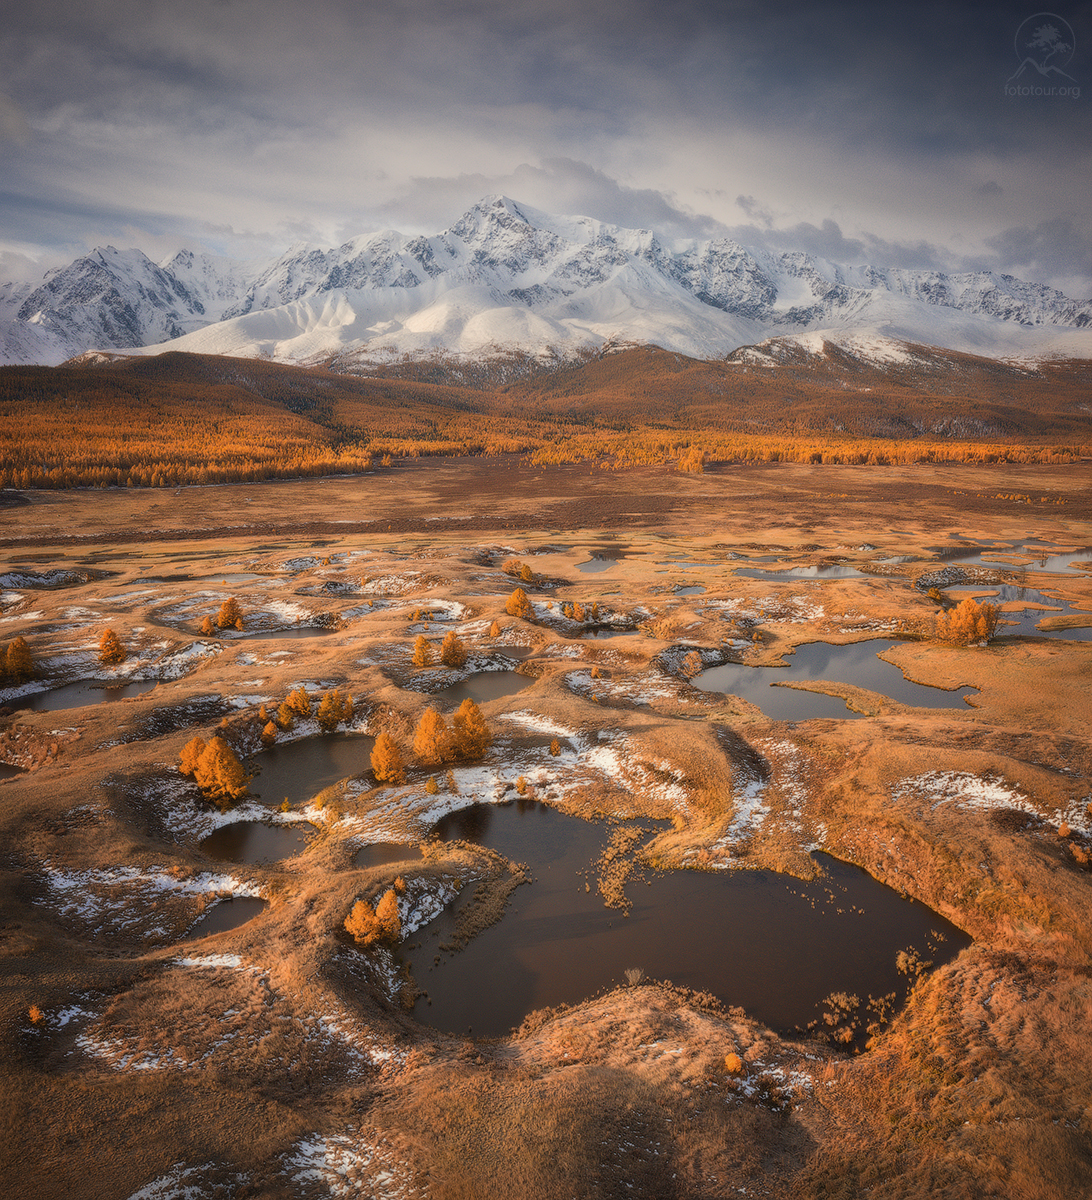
(242, 125)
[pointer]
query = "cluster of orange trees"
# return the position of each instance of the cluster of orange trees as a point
(434, 742)
(333, 709)
(216, 768)
(382, 923)
(230, 616)
(968, 624)
(453, 652)
(183, 419)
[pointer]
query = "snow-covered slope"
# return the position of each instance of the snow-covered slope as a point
(508, 276)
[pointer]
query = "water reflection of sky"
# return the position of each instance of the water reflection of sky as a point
(856, 663)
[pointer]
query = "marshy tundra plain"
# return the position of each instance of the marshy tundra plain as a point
(908, 824)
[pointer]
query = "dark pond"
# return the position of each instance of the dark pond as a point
(296, 771)
(256, 842)
(379, 854)
(830, 571)
(227, 914)
(695, 589)
(7, 771)
(293, 631)
(483, 686)
(764, 941)
(601, 560)
(606, 631)
(76, 695)
(856, 663)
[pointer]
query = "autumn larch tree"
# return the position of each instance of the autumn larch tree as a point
(472, 735)
(432, 738)
(387, 916)
(517, 605)
(286, 718)
(452, 650)
(111, 651)
(381, 924)
(269, 733)
(191, 756)
(494, 629)
(230, 615)
(387, 762)
(220, 775)
(422, 651)
(299, 702)
(18, 661)
(333, 710)
(207, 628)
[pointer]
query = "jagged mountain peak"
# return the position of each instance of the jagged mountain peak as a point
(506, 276)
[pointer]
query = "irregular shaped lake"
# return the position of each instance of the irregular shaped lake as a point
(770, 943)
(256, 842)
(296, 771)
(225, 915)
(601, 560)
(483, 686)
(76, 695)
(855, 663)
(379, 854)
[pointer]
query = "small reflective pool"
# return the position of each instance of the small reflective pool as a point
(379, 854)
(483, 686)
(76, 695)
(227, 914)
(256, 842)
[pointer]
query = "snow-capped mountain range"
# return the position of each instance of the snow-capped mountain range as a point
(506, 276)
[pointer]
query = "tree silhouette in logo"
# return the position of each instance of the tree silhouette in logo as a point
(1047, 42)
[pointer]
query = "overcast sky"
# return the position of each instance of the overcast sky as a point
(862, 132)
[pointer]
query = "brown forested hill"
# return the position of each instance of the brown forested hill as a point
(181, 418)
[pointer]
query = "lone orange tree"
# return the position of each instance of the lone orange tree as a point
(387, 760)
(517, 605)
(453, 650)
(18, 662)
(422, 651)
(472, 735)
(111, 651)
(432, 738)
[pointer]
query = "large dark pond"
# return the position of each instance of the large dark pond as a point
(483, 686)
(296, 771)
(256, 842)
(770, 943)
(855, 663)
(76, 695)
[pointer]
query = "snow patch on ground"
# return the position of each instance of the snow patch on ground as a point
(350, 1166)
(613, 758)
(965, 790)
(128, 900)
